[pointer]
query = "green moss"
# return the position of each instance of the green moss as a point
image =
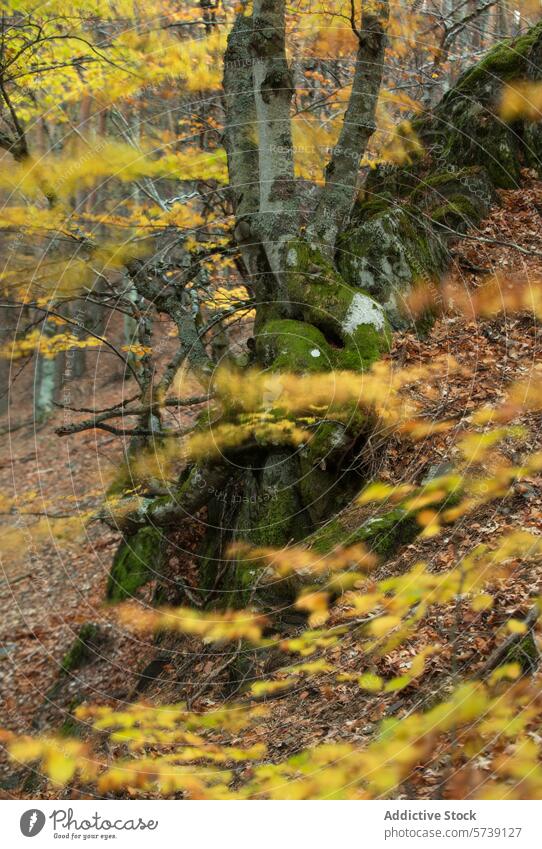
(499, 148)
(136, 561)
(271, 514)
(71, 727)
(273, 524)
(367, 346)
(440, 180)
(465, 128)
(276, 519)
(383, 534)
(472, 182)
(82, 648)
(525, 653)
(375, 205)
(389, 181)
(455, 198)
(318, 486)
(296, 346)
(456, 212)
(324, 300)
(328, 537)
(507, 60)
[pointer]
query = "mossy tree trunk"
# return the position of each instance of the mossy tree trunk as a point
(308, 318)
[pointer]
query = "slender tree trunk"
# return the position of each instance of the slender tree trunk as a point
(45, 379)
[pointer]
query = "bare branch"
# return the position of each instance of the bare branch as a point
(98, 421)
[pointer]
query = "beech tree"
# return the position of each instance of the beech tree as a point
(234, 208)
(325, 262)
(327, 284)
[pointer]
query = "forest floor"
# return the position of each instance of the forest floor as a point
(47, 597)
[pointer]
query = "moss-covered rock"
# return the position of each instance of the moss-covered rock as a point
(387, 252)
(289, 345)
(509, 60)
(466, 128)
(467, 132)
(454, 216)
(137, 561)
(390, 246)
(468, 190)
(466, 151)
(382, 534)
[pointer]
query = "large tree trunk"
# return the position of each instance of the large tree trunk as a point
(327, 298)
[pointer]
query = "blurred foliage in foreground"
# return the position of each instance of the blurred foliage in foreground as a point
(493, 720)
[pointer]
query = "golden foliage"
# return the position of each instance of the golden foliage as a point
(522, 100)
(36, 342)
(210, 626)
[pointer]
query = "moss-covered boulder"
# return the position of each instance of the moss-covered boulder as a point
(392, 246)
(387, 250)
(137, 561)
(466, 127)
(382, 534)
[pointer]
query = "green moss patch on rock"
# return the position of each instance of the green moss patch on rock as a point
(322, 455)
(454, 216)
(387, 253)
(289, 345)
(382, 534)
(273, 510)
(83, 648)
(137, 561)
(272, 514)
(525, 653)
(469, 190)
(508, 60)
